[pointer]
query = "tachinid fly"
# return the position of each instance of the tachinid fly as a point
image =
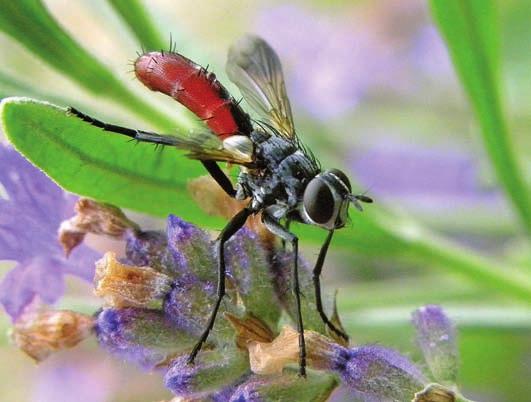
(280, 177)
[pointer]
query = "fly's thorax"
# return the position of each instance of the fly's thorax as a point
(326, 199)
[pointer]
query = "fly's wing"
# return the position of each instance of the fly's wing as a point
(237, 149)
(255, 68)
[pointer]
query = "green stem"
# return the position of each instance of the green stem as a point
(470, 29)
(136, 17)
(472, 315)
(459, 261)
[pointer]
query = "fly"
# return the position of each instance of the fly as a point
(280, 176)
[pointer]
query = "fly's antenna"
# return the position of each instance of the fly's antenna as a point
(356, 198)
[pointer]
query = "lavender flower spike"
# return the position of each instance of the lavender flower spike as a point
(31, 210)
(437, 339)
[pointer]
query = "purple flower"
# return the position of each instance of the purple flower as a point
(142, 336)
(374, 373)
(30, 214)
(437, 339)
(191, 248)
(149, 248)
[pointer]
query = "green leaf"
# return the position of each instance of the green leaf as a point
(30, 23)
(470, 28)
(134, 14)
(85, 160)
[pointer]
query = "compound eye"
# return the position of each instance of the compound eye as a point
(318, 201)
(341, 176)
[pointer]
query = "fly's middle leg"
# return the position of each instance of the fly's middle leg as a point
(228, 231)
(277, 229)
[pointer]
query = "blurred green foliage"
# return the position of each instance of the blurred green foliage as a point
(471, 30)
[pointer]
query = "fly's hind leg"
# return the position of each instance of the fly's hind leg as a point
(147, 136)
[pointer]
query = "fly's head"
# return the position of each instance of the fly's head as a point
(327, 197)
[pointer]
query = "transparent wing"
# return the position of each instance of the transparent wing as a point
(255, 68)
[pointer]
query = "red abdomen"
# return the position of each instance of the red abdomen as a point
(191, 85)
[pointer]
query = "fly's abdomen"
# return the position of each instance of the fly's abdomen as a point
(191, 85)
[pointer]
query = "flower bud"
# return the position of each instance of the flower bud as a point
(437, 339)
(247, 267)
(192, 250)
(126, 285)
(189, 305)
(41, 333)
(283, 282)
(149, 248)
(93, 217)
(211, 370)
(142, 336)
(285, 387)
(381, 374)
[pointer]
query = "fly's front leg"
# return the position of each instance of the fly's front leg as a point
(228, 231)
(317, 286)
(220, 177)
(277, 229)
